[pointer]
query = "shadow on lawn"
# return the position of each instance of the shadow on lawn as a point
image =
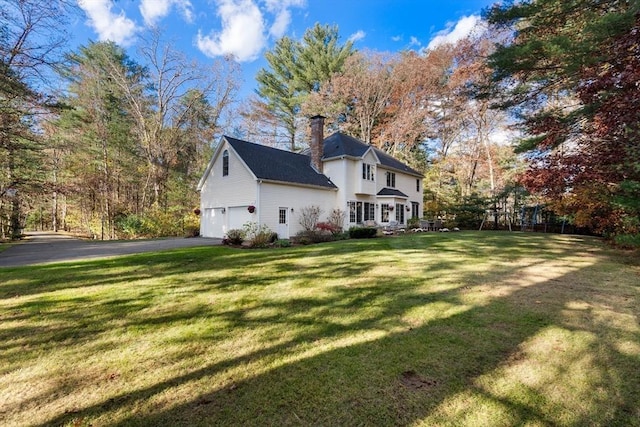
(396, 378)
(401, 376)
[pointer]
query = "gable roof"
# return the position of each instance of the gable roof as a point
(339, 145)
(272, 164)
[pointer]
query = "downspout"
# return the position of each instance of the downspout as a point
(258, 206)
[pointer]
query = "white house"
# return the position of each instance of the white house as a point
(247, 182)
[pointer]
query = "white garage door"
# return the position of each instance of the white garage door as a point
(238, 216)
(212, 223)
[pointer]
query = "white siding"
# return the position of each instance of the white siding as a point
(237, 189)
(337, 171)
(404, 183)
(346, 173)
(275, 196)
(407, 184)
(363, 186)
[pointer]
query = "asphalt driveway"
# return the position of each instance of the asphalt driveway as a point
(49, 247)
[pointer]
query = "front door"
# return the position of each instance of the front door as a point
(283, 223)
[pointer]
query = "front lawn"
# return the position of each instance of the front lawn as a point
(470, 328)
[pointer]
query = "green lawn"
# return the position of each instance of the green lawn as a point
(470, 328)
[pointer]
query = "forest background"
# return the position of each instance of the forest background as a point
(538, 106)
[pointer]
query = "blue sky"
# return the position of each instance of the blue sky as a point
(205, 29)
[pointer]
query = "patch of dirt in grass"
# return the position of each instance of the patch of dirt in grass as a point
(413, 381)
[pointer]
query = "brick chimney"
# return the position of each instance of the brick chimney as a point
(317, 138)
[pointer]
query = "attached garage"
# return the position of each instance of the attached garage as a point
(215, 222)
(238, 216)
(212, 222)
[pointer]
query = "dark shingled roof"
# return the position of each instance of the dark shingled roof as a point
(339, 144)
(391, 192)
(278, 165)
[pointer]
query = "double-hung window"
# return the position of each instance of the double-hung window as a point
(415, 210)
(368, 172)
(391, 179)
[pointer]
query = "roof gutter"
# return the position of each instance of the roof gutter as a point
(297, 184)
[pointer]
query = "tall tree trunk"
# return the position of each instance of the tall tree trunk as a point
(14, 221)
(63, 215)
(54, 200)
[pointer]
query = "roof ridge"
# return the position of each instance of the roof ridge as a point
(261, 145)
(275, 164)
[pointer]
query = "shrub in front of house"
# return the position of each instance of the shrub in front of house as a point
(302, 238)
(343, 235)
(261, 240)
(413, 223)
(328, 227)
(234, 237)
(362, 232)
(309, 217)
(282, 243)
(336, 219)
(307, 237)
(258, 236)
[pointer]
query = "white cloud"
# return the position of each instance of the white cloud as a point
(244, 27)
(154, 10)
(396, 38)
(455, 31)
(280, 24)
(413, 41)
(276, 5)
(107, 24)
(358, 35)
(282, 12)
(242, 33)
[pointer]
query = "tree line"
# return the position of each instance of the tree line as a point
(96, 141)
(570, 70)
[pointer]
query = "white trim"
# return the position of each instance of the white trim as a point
(297, 184)
(207, 170)
(224, 143)
(370, 148)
